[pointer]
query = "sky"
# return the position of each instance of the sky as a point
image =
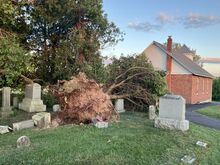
(195, 23)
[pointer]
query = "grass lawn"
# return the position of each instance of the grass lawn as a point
(212, 111)
(133, 141)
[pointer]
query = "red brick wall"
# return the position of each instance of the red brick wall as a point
(202, 89)
(193, 91)
(182, 85)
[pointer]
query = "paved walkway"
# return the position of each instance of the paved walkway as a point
(195, 117)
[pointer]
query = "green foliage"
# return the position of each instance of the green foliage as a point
(216, 89)
(48, 99)
(212, 111)
(66, 34)
(97, 71)
(145, 85)
(14, 61)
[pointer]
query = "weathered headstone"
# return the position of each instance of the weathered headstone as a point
(15, 102)
(119, 105)
(32, 101)
(172, 113)
(152, 112)
(188, 159)
(56, 108)
(23, 141)
(6, 108)
(201, 144)
(23, 125)
(101, 124)
(4, 129)
(42, 119)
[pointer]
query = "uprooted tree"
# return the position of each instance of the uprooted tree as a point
(132, 78)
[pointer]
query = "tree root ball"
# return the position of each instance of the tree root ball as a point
(81, 100)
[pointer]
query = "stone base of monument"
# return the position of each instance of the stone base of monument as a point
(32, 105)
(171, 124)
(6, 111)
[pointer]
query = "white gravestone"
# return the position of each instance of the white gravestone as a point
(42, 119)
(23, 125)
(119, 105)
(32, 101)
(15, 102)
(152, 112)
(23, 141)
(172, 113)
(6, 108)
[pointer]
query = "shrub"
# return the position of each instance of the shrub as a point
(216, 89)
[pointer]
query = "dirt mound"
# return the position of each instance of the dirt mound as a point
(81, 100)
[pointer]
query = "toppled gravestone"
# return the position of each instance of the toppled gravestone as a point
(23, 141)
(23, 125)
(172, 113)
(42, 119)
(4, 129)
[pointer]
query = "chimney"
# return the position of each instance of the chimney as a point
(169, 63)
(169, 44)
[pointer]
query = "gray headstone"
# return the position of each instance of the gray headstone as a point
(32, 101)
(119, 105)
(152, 112)
(56, 108)
(101, 124)
(6, 102)
(188, 159)
(15, 102)
(172, 113)
(23, 125)
(23, 141)
(4, 129)
(42, 119)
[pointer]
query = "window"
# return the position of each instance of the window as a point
(207, 86)
(203, 86)
(197, 86)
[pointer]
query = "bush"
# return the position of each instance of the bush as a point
(49, 100)
(216, 90)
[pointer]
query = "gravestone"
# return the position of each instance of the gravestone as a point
(119, 105)
(56, 108)
(152, 112)
(6, 108)
(15, 102)
(42, 119)
(32, 101)
(4, 129)
(23, 125)
(172, 113)
(23, 141)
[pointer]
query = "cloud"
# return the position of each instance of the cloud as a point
(194, 20)
(164, 18)
(144, 26)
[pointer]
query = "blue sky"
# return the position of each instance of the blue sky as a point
(195, 23)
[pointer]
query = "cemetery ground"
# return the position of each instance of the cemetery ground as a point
(133, 140)
(212, 111)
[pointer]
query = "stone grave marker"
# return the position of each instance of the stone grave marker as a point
(23, 125)
(172, 113)
(188, 159)
(32, 101)
(15, 102)
(42, 119)
(119, 105)
(152, 112)
(23, 141)
(6, 108)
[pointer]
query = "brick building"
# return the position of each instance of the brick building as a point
(184, 77)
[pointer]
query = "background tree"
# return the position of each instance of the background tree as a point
(216, 89)
(66, 34)
(176, 46)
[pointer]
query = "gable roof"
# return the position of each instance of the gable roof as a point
(183, 50)
(185, 62)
